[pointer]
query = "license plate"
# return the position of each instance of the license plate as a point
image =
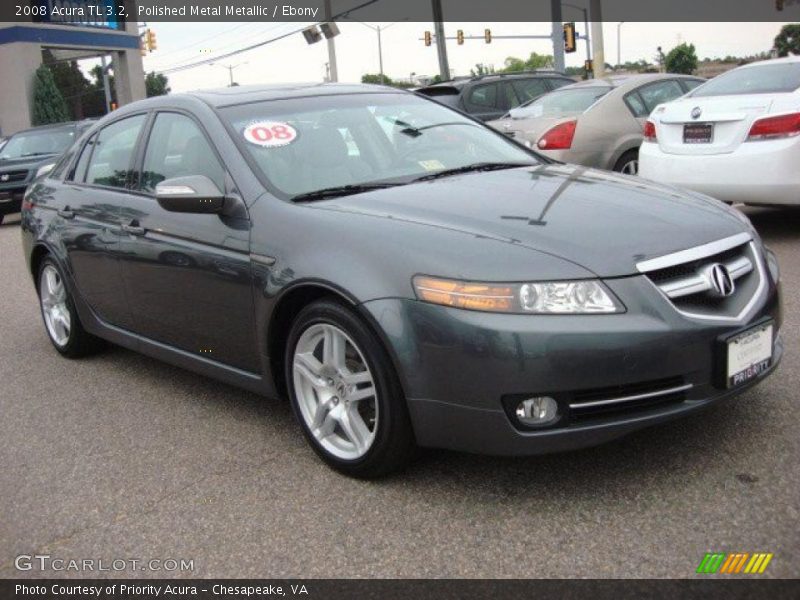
(749, 354)
(698, 133)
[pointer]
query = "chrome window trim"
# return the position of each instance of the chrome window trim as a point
(692, 254)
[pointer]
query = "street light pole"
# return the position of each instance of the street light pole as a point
(619, 44)
(379, 29)
(230, 69)
(595, 10)
(334, 72)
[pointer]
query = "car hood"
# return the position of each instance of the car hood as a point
(602, 221)
(27, 162)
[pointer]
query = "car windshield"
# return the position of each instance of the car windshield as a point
(761, 79)
(37, 143)
(303, 145)
(561, 102)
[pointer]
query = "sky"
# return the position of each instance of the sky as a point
(293, 60)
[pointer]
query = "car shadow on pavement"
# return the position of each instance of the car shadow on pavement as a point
(777, 224)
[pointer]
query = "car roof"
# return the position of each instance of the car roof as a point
(246, 94)
(772, 61)
(64, 125)
(462, 81)
(627, 80)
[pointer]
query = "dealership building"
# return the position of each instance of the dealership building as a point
(69, 30)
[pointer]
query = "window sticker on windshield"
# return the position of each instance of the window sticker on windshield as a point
(270, 134)
(431, 165)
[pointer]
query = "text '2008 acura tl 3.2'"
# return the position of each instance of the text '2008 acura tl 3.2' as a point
(405, 275)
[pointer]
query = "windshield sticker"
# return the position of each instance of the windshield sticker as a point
(431, 165)
(270, 134)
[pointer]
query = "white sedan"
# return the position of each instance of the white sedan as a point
(736, 137)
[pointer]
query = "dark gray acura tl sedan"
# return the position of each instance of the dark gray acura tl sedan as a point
(404, 274)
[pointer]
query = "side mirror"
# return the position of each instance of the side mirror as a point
(193, 194)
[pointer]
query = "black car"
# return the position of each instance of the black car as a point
(28, 153)
(489, 97)
(402, 273)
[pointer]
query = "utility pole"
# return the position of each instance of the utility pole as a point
(334, 73)
(106, 86)
(619, 43)
(229, 68)
(441, 41)
(558, 35)
(599, 60)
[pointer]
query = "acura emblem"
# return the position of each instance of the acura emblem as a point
(721, 281)
(5, 177)
(696, 112)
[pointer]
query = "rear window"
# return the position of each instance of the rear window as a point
(762, 79)
(561, 102)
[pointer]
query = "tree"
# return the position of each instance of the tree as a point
(535, 61)
(788, 40)
(48, 103)
(70, 81)
(376, 78)
(481, 69)
(682, 59)
(156, 84)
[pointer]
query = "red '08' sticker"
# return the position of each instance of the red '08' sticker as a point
(270, 134)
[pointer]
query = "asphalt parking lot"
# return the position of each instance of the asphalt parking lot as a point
(120, 456)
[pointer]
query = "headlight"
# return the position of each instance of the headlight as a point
(44, 169)
(546, 298)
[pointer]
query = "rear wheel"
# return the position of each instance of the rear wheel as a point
(345, 393)
(628, 163)
(60, 317)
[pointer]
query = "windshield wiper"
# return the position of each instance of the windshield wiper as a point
(342, 190)
(27, 154)
(473, 168)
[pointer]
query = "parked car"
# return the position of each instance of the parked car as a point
(596, 123)
(736, 138)
(430, 282)
(28, 153)
(488, 97)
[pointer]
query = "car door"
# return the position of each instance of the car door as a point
(482, 101)
(187, 275)
(92, 202)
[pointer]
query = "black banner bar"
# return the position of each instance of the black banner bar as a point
(484, 11)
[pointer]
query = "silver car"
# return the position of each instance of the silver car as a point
(596, 123)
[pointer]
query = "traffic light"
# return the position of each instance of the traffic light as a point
(150, 42)
(487, 35)
(587, 65)
(329, 30)
(312, 34)
(460, 37)
(427, 38)
(569, 37)
(142, 47)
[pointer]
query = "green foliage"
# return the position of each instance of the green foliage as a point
(71, 82)
(682, 59)
(376, 79)
(481, 69)
(156, 84)
(48, 102)
(534, 61)
(788, 40)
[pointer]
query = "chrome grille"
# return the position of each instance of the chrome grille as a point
(720, 280)
(13, 176)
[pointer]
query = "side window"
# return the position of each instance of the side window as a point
(112, 153)
(690, 84)
(529, 89)
(483, 96)
(656, 93)
(178, 148)
(510, 99)
(635, 103)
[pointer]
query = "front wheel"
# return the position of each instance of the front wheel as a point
(628, 163)
(345, 393)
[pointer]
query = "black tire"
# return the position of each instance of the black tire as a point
(393, 445)
(629, 156)
(79, 343)
(1, 219)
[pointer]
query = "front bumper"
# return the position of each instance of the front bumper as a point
(762, 172)
(456, 366)
(11, 200)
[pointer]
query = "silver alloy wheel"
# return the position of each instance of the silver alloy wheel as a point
(631, 167)
(53, 297)
(335, 391)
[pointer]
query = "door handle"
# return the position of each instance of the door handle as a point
(133, 229)
(66, 213)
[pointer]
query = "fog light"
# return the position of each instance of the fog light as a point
(537, 411)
